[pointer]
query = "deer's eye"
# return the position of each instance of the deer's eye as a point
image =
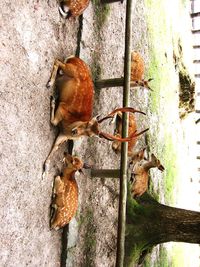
(74, 132)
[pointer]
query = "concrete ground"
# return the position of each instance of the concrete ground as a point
(32, 35)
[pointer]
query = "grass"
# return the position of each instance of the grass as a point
(167, 42)
(164, 98)
(161, 261)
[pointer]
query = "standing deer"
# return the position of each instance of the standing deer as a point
(65, 193)
(75, 103)
(140, 172)
(132, 128)
(137, 70)
(72, 8)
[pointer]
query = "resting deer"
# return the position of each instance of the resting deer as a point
(132, 128)
(75, 103)
(141, 167)
(65, 193)
(137, 70)
(72, 8)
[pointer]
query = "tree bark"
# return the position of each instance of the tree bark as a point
(150, 223)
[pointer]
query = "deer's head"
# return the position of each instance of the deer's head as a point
(92, 127)
(156, 163)
(72, 162)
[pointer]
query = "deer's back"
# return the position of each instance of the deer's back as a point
(140, 183)
(131, 130)
(76, 93)
(77, 7)
(66, 212)
(137, 66)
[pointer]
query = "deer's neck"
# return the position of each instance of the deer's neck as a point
(148, 165)
(68, 174)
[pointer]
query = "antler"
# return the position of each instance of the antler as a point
(127, 109)
(111, 137)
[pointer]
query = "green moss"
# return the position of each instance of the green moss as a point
(95, 66)
(171, 172)
(87, 220)
(101, 12)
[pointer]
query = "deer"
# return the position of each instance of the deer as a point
(140, 172)
(75, 105)
(132, 128)
(137, 71)
(72, 8)
(65, 193)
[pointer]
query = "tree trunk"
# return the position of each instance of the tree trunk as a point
(150, 223)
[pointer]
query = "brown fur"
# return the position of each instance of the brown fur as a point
(140, 172)
(65, 193)
(137, 70)
(76, 93)
(132, 128)
(75, 104)
(76, 7)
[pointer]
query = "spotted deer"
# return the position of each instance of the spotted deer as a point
(72, 8)
(132, 128)
(75, 105)
(140, 172)
(65, 193)
(137, 70)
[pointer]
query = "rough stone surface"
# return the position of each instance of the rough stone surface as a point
(32, 35)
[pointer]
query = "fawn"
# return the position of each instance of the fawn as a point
(132, 128)
(137, 70)
(141, 167)
(65, 193)
(75, 103)
(72, 8)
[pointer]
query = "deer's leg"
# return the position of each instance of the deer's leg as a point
(56, 117)
(59, 140)
(57, 64)
(69, 69)
(58, 185)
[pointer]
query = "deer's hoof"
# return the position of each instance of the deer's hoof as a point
(49, 84)
(46, 167)
(63, 10)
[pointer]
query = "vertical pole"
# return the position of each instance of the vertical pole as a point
(123, 167)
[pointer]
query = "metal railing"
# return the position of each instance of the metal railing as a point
(122, 172)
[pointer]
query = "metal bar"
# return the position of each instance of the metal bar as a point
(115, 82)
(197, 110)
(198, 157)
(111, 1)
(124, 148)
(105, 173)
(195, 31)
(197, 75)
(196, 46)
(198, 142)
(196, 61)
(194, 15)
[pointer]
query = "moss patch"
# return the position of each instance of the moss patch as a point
(101, 12)
(90, 237)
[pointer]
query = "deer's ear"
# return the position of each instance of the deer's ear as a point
(161, 168)
(141, 153)
(86, 166)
